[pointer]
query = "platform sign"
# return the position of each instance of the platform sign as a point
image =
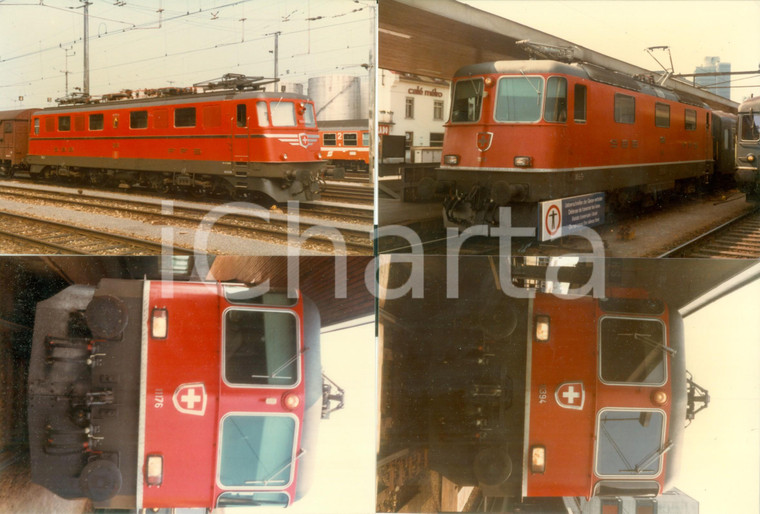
(562, 217)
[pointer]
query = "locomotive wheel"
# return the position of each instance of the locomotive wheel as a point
(492, 466)
(100, 480)
(6, 171)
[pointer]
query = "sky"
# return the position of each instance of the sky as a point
(133, 46)
(720, 464)
(623, 29)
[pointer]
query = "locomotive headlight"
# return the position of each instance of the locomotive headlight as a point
(291, 401)
(750, 158)
(154, 470)
(538, 459)
(523, 161)
(451, 159)
(159, 323)
(659, 397)
(542, 328)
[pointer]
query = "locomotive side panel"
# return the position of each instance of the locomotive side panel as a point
(228, 143)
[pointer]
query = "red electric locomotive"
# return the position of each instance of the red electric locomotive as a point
(156, 394)
(577, 397)
(522, 132)
(233, 138)
(346, 145)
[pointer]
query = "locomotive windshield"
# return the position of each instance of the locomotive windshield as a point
(468, 97)
(519, 99)
(632, 351)
(260, 348)
(749, 124)
(630, 442)
(257, 451)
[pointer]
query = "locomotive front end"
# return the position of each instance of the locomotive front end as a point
(230, 404)
(603, 419)
(502, 142)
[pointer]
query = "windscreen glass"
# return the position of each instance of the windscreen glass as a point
(257, 451)
(467, 100)
(632, 351)
(519, 98)
(260, 348)
(749, 126)
(630, 442)
(283, 114)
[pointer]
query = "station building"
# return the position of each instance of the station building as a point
(415, 107)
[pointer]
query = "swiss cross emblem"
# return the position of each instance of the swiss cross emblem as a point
(484, 140)
(570, 395)
(303, 139)
(191, 399)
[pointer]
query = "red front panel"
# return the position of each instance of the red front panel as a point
(182, 390)
(562, 397)
(567, 394)
(189, 393)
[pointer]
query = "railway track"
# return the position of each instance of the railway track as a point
(735, 239)
(61, 238)
(236, 221)
(336, 191)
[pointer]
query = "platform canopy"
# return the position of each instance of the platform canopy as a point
(436, 37)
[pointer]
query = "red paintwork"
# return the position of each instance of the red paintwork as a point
(571, 356)
(341, 152)
(578, 145)
(212, 139)
(191, 354)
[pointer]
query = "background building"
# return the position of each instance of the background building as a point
(718, 84)
(413, 106)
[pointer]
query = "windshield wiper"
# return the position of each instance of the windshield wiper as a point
(284, 365)
(282, 468)
(641, 466)
(537, 90)
(649, 341)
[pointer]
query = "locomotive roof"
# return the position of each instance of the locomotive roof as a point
(752, 103)
(214, 96)
(582, 70)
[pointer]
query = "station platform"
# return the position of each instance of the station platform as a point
(648, 234)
